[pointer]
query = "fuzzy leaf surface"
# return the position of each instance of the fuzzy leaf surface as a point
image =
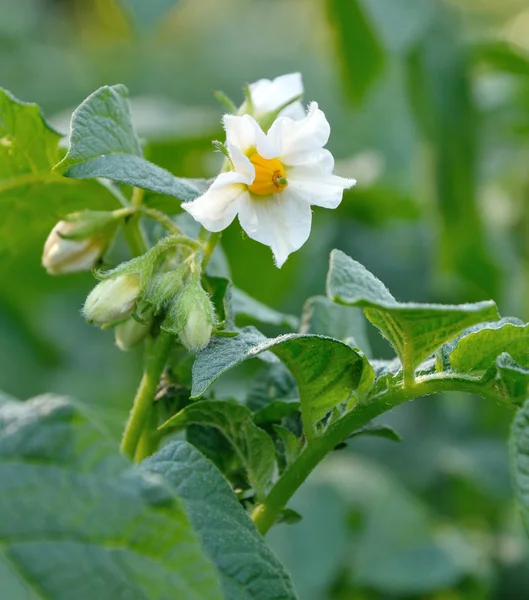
(253, 445)
(479, 349)
(248, 569)
(326, 370)
(103, 143)
(519, 460)
(414, 330)
(84, 524)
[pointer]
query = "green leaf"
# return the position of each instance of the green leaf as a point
(254, 446)
(519, 460)
(327, 371)
(414, 330)
(292, 446)
(384, 431)
(82, 523)
(476, 350)
(248, 569)
(274, 382)
(103, 143)
(273, 394)
(276, 410)
(32, 197)
(360, 54)
(509, 378)
(347, 323)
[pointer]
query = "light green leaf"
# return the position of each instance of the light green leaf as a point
(358, 48)
(414, 330)
(247, 568)
(32, 197)
(103, 143)
(292, 446)
(478, 349)
(384, 431)
(82, 523)
(252, 444)
(327, 371)
(276, 410)
(509, 378)
(519, 460)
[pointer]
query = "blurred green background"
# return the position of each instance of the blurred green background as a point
(428, 102)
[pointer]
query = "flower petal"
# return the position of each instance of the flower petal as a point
(320, 159)
(242, 131)
(280, 221)
(295, 111)
(305, 136)
(269, 95)
(216, 209)
(241, 163)
(315, 186)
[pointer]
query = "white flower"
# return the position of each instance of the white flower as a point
(276, 177)
(268, 96)
(61, 255)
(112, 300)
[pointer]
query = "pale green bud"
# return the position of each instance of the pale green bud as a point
(197, 331)
(62, 255)
(192, 316)
(130, 333)
(112, 300)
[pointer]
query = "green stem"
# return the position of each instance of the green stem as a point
(149, 439)
(139, 415)
(211, 243)
(163, 219)
(134, 236)
(266, 513)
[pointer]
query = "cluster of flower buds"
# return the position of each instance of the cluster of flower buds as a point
(141, 292)
(78, 242)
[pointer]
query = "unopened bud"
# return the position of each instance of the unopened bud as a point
(192, 316)
(197, 331)
(112, 300)
(70, 256)
(130, 333)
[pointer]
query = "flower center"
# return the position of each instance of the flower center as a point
(270, 176)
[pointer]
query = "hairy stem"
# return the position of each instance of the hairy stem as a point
(210, 245)
(163, 220)
(149, 439)
(139, 416)
(266, 513)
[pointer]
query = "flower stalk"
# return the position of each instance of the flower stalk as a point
(155, 361)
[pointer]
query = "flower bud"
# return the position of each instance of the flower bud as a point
(192, 316)
(112, 300)
(197, 331)
(70, 256)
(130, 333)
